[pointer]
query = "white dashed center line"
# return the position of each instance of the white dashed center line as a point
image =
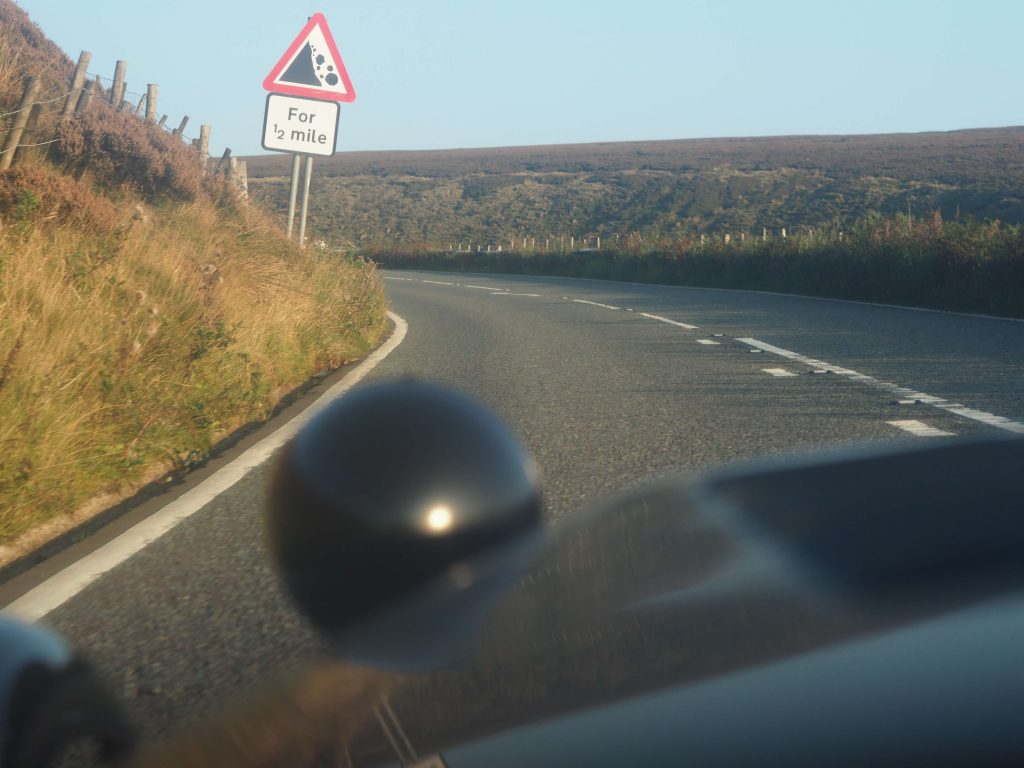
(903, 393)
(920, 429)
(661, 319)
(594, 304)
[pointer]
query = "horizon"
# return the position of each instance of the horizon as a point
(660, 141)
(457, 76)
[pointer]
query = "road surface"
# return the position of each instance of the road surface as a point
(608, 384)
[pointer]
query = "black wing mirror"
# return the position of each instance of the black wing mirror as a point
(397, 515)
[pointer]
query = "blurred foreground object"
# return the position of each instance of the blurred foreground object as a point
(51, 699)
(397, 516)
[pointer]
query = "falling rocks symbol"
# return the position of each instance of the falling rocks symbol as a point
(308, 69)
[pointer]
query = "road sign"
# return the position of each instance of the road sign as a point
(312, 66)
(300, 125)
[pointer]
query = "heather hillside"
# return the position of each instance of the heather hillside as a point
(658, 188)
(149, 308)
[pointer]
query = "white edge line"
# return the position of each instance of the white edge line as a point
(903, 393)
(62, 586)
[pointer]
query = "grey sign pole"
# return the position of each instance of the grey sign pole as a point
(302, 108)
(305, 200)
(293, 194)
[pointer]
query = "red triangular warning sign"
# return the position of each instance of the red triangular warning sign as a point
(312, 66)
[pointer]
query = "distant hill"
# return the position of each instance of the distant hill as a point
(656, 187)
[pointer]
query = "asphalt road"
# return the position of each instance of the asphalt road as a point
(608, 384)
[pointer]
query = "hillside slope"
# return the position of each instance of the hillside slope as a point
(148, 309)
(660, 188)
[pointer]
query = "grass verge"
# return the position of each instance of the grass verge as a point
(134, 336)
(966, 266)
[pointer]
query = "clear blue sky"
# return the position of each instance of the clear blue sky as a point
(471, 73)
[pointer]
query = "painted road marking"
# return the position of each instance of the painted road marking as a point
(486, 288)
(904, 393)
(709, 342)
(62, 586)
(920, 429)
(594, 304)
(438, 282)
(661, 319)
(403, 279)
(533, 295)
(778, 372)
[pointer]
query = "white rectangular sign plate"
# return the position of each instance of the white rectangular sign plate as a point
(299, 125)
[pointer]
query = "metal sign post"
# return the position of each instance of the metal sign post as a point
(305, 201)
(293, 193)
(301, 117)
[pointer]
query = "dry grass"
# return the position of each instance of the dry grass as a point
(134, 337)
(145, 312)
(968, 266)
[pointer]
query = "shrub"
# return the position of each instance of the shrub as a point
(970, 266)
(35, 192)
(117, 148)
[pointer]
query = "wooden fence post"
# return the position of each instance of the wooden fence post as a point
(242, 177)
(33, 119)
(140, 105)
(204, 144)
(225, 161)
(163, 119)
(20, 120)
(118, 87)
(181, 127)
(77, 81)
(151, 90)
(86, 98)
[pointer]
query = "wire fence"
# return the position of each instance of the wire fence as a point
(35, 121)
(62, 97)
(635, 240)
(29, 146)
